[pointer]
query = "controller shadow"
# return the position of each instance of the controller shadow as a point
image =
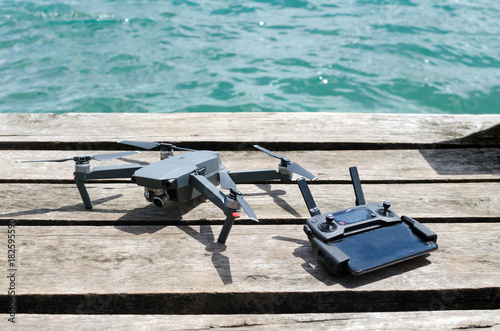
(347, 280)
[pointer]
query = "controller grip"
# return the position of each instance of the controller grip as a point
(420, 230)
(331, 258)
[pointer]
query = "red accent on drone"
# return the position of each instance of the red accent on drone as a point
(236, 213)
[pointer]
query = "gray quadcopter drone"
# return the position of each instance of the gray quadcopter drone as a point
(183, 177)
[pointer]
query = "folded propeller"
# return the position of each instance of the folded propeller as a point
(227, 183)
(290, 166)
(98, 157)
(153, 145)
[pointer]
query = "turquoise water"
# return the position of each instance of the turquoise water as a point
(262, 55)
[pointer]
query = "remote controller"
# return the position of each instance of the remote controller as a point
(365, 237)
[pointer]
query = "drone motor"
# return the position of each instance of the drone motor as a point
(82, 165)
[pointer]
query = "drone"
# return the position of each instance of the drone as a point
(183, 177)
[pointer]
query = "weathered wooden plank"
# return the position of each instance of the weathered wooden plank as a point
(125, 202)
(431, 320)
(373, 165)
(263, 269)
(251, 127)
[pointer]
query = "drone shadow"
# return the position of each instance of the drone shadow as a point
(206, 237)
(150, 219)
(171, 214)
(305, 252)
(175, 212)
(275, 195)
(67, 208)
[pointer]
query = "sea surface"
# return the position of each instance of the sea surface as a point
(394, 56)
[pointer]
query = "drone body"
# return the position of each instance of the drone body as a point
(184, 177)
(172, 176)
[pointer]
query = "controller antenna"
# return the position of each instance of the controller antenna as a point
(356, 183)
(308, 198)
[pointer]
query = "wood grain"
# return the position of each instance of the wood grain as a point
(126, 266)
(249, 127)
(125, 202)
(153, 267)
(373, 165)
(435, 320)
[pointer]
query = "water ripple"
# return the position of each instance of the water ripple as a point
(260, 55)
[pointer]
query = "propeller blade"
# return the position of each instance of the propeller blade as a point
(267, 151)
(151, 145)
(98, 157)
(300, 170)
(140, 144)
(246, 207)
(107, 157)
(54, 160)
(291, 166)
(226, 182)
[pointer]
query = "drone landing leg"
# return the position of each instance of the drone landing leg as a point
(226, 228)
(82, 173)
(79, 180)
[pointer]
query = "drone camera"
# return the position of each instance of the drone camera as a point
(160, 200)
(157, 196)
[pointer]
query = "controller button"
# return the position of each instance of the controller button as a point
(385, 212)
(328, 226)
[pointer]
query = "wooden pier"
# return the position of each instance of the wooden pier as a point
(127, 264)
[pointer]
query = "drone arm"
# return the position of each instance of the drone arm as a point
(257, 176)
(229, 205)
(114, 171)
(209, 190)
